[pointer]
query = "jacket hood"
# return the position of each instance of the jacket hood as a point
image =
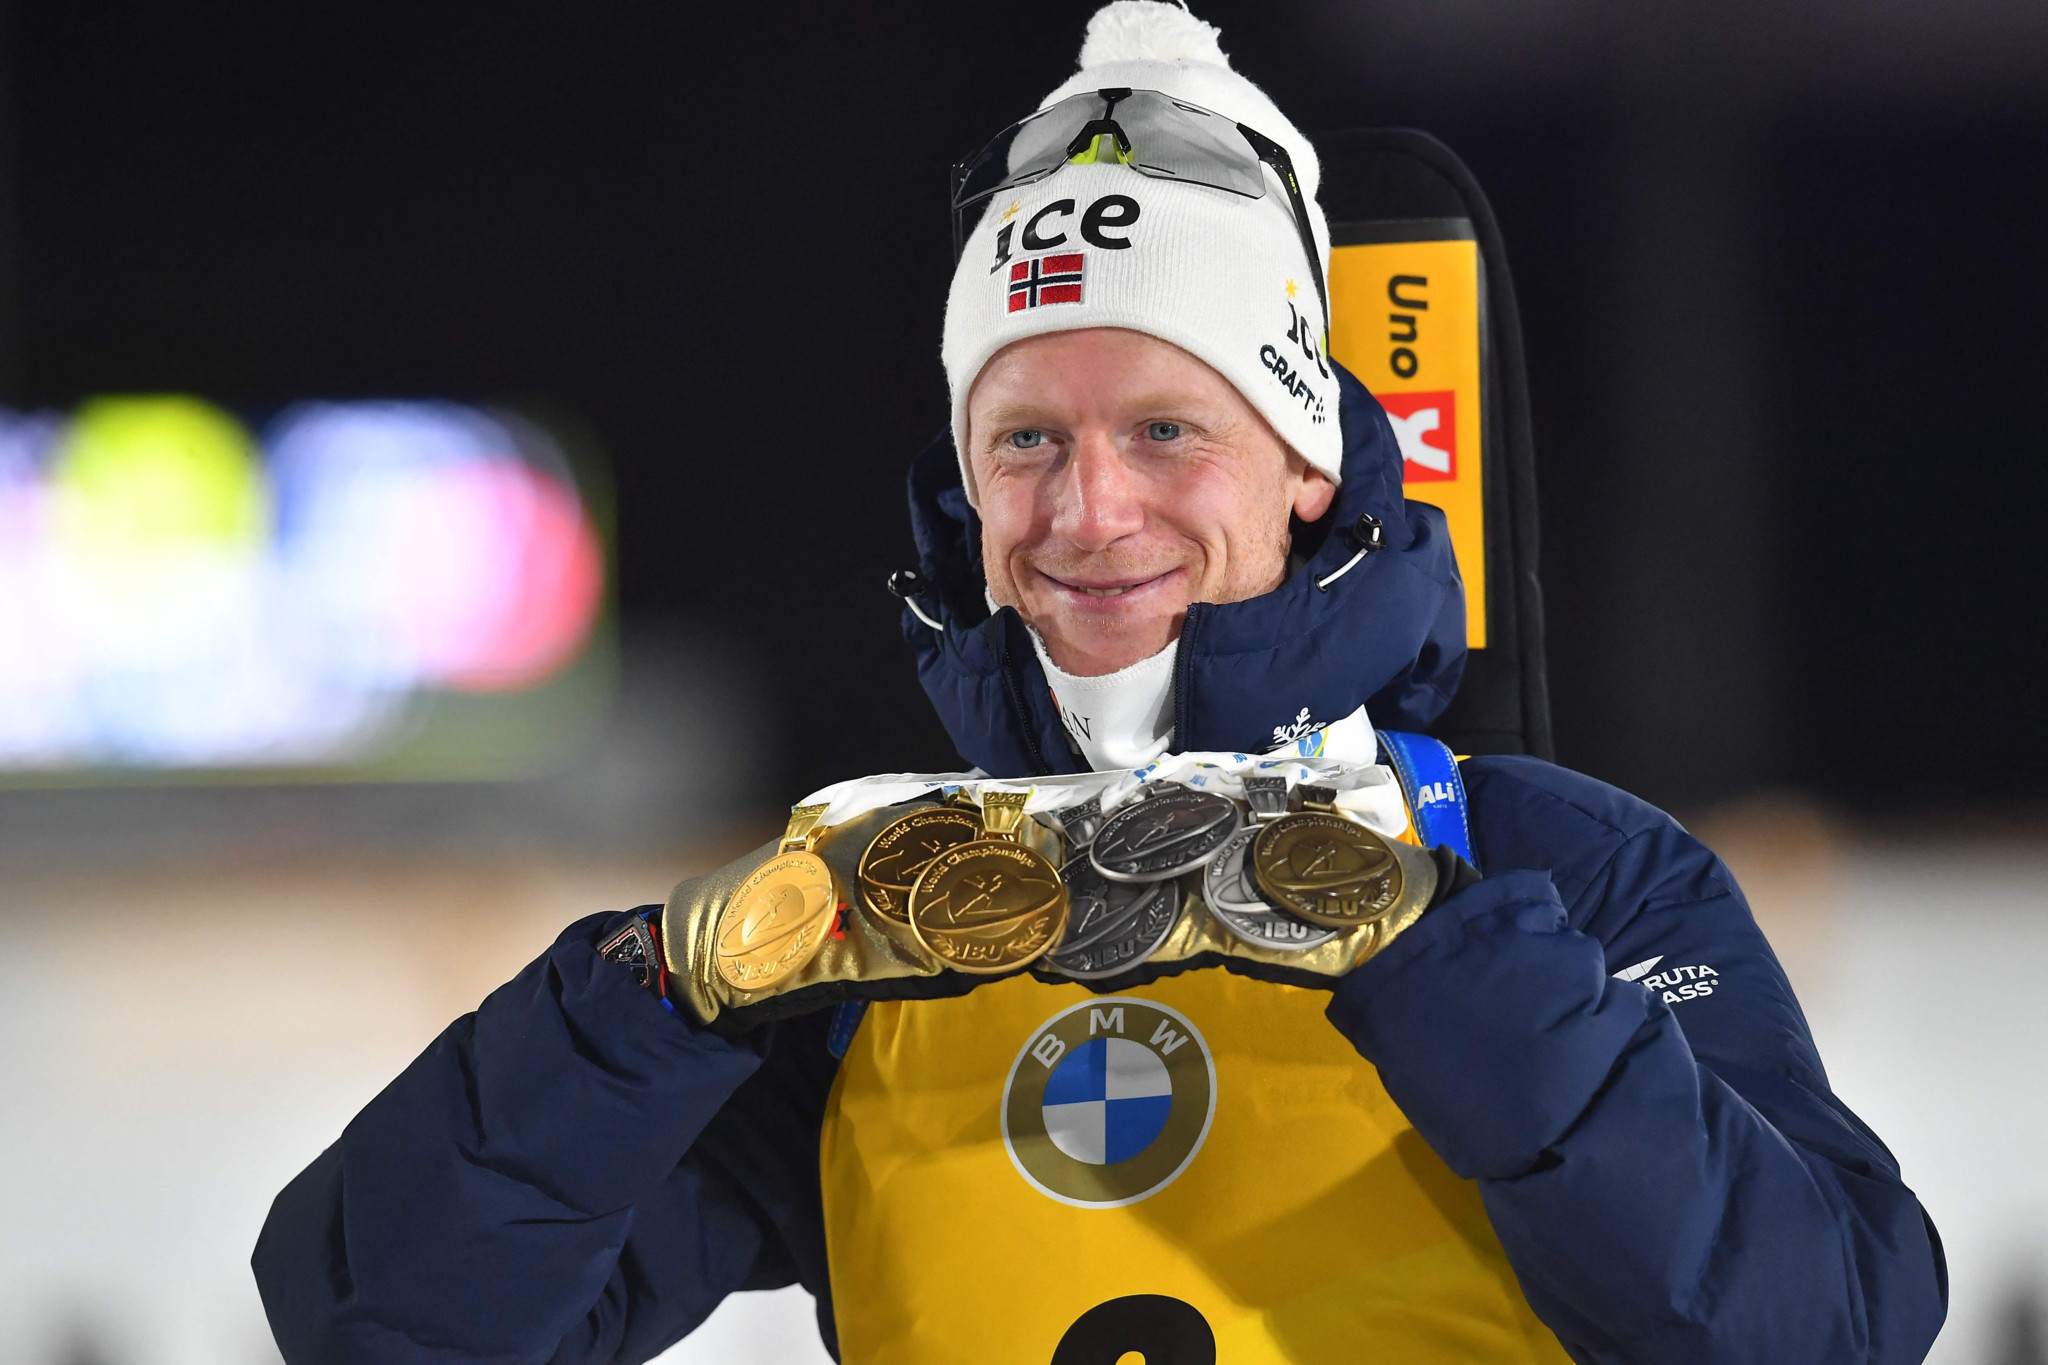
(1388, 635)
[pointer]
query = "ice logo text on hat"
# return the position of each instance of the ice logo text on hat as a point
(1043, 230)
(1108, 1102)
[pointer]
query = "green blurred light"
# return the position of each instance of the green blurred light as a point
(135, 475)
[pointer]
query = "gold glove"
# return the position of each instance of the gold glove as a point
(929, 899)
(795, 925)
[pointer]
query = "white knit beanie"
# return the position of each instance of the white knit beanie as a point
(1218, 275)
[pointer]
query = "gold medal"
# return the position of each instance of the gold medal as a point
(905, 847)
(991, 905)
(1327, 869)
(781, 913)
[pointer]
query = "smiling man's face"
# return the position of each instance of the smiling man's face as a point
(1119, 479)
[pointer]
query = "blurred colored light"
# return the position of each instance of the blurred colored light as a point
(433, 546)
(170, 594)
(133, 475)
(536, 575)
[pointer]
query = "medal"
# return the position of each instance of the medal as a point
(775, 921)
(899, 854)
(1111, 926)
(991, 905)
(1325, 868)
(1164, 835)
(1232, 892)
(1233, 896)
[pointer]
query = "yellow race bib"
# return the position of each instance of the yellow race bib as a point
(1198, 1170)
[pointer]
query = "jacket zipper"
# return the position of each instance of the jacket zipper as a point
(1013, 689)
(1183, 678)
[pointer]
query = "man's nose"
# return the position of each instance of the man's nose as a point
(1099, 502)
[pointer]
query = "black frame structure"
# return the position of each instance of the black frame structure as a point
(1397, 184)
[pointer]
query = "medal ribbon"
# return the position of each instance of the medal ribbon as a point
(1365, 790)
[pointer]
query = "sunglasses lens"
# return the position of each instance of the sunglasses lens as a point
(1175, 141)
(1025, 152)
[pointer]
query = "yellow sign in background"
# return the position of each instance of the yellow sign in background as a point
(1404, 318)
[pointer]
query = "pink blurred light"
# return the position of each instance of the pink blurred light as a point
(525, 602)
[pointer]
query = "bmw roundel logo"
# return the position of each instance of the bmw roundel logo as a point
(1108, 1101)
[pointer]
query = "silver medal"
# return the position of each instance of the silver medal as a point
(1164, 835)
(1233, 897)
(1111, 926)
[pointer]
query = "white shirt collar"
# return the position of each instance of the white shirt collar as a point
(1125, 719)
(1119, 720)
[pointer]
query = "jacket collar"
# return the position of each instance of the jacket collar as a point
(1388, 635)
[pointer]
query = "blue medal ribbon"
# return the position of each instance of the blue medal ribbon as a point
(1436, 794)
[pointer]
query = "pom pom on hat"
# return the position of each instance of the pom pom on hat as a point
(1150, 31)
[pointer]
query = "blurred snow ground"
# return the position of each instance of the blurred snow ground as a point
(176, 1043)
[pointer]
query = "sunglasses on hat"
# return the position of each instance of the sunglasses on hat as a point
(1152, 133)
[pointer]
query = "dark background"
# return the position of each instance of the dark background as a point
(1780, 267)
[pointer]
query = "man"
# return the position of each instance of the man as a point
(1468, 1134)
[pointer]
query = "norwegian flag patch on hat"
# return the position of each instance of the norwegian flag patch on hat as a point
(1046, 279)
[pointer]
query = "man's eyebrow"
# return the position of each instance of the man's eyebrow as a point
(1025, 413)
(1013, 414)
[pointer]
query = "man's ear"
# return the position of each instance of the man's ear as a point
(1315, 495)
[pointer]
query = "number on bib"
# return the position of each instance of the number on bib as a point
(1165, 1331)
